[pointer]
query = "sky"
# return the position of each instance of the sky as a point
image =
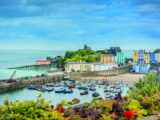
(69, 24)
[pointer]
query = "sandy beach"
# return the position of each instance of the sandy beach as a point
(126, 78)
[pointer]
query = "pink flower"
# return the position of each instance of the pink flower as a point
(114, 116)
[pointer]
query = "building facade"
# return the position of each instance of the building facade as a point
(107, 58)
(78, 66)
(114, 50)
(135, 57)
(100, 67)
(157, 57)
(152, 58)
(141, 68)
(141, 56)
(146, 57)
(120, 58)
(42, 62)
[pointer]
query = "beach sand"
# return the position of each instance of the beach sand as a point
(126, 78)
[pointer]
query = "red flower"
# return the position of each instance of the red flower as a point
(52, 106)
(129, 114)
(60, 108)
(100, 99)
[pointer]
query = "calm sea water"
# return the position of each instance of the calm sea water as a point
(10, 58)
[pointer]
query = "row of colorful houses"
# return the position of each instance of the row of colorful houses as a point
(145, 57)
(84, 67)
(119, 58)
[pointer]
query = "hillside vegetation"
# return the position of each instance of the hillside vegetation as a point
(82, 55)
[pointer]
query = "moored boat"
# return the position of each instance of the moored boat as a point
(95, 94)
(84, 92)
(60, 90)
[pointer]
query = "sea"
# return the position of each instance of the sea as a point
(12, 58)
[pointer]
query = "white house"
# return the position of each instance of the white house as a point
(157, 57)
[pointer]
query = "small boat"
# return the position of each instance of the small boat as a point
(49, 85)
(38, 89)
(60, 90)
(56, 85)
(50, 89)
(108, 96)
(85, 88)
(107, 90)
(114, 91)
(80, 87)
(113, 86)
(84, 92)
(32, 87)
(72, 86)
(92, 89)
(68, 91)
(95, 94)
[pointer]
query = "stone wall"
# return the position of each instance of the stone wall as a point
(25, 83)
(105, 73)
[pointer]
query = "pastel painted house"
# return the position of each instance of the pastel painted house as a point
(120, 58)
(157, 57)
(146, 57)
(141, 56)
(141, 68)
(152, 58)
(107, 58)
(135, 56)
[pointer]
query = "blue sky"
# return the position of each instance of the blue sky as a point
(68, 24)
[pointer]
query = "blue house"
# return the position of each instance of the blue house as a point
(152, 58)
(141, 68)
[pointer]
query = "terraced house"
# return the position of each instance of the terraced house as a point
(141, 56)
(78, 66)
(108, 58)
(146, 57)
(135, 56)
(120, 58)
(152, 58)
(157, 57)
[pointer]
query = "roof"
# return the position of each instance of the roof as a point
(107, 55)
(42, 61)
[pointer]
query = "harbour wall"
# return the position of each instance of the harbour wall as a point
(105, 73)
(4, 87)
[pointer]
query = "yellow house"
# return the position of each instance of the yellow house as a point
(78, 66)
(135, 56)
(146, 57)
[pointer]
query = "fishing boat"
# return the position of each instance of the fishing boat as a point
(60, 90)
(95, 94)
(84, 92)
(107, 90)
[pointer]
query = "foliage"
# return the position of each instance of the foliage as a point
(28, 110)
(80, 55)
